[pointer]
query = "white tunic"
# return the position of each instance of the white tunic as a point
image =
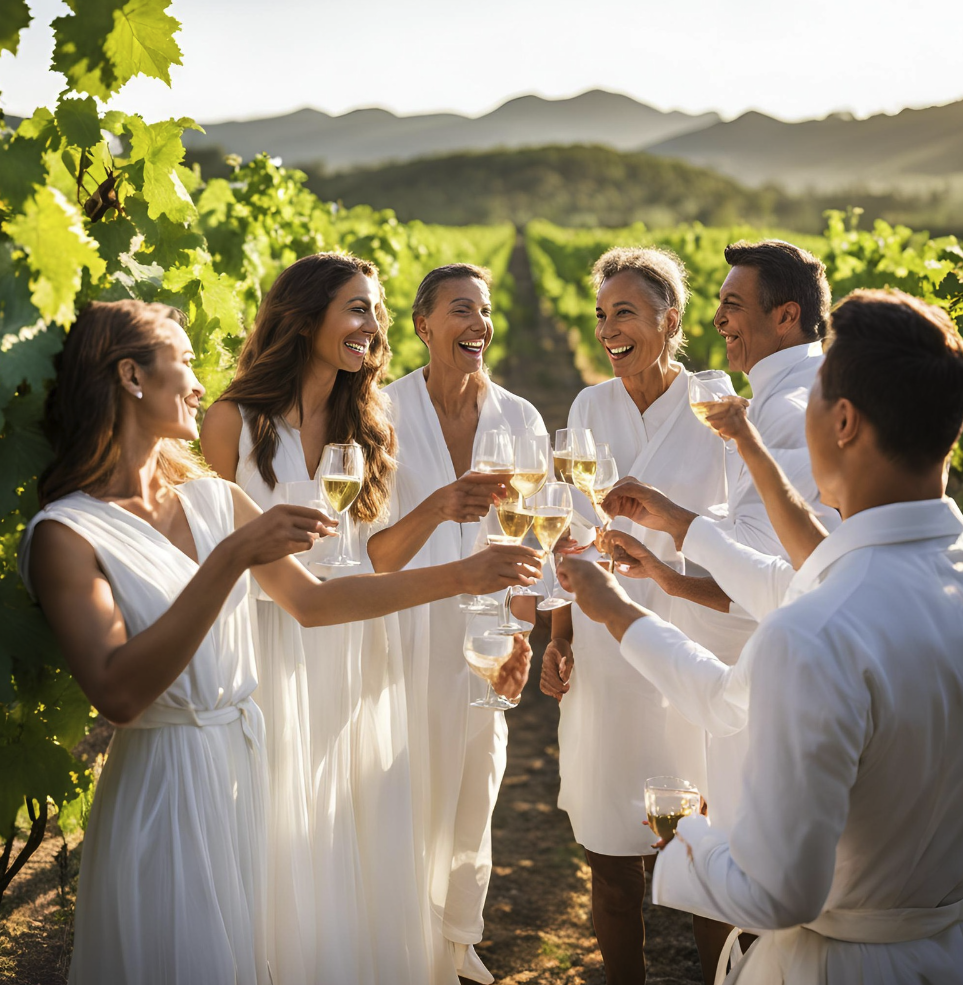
(347, 889)
(173, 878)
(463, 749)
(616, 729)
(850, 820)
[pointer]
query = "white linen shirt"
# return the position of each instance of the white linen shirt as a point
(850, 801)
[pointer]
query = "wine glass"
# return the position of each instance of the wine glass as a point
(532, 454)
(668, 799)
(342, 471)
(702, 399)
(495, 455)
(582, 444)
(553, 516)
(606, 476)
(562, 458)
(486, 649)
(513, 519)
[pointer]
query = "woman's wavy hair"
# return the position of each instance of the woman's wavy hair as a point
(270, 374)
(83, 409)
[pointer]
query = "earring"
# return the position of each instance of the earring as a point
(139, 394)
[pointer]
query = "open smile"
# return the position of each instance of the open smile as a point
(473, 346)
(619, 351)
(359, 347)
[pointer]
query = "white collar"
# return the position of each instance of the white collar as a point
(773, 367)
(895, 523)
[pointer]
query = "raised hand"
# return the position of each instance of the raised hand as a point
(729, 418)
(282, 530)
(467, 499)
(598, 593)
(497, 567)
(646, 506)
(513, 675)
(557, 663)
(633, 558)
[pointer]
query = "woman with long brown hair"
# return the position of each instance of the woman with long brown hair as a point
(140, 561)
(309, 375)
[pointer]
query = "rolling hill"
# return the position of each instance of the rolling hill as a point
(375, 136)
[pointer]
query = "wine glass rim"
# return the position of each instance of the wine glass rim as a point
(673, 783)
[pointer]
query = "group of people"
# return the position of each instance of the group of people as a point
(299, 789)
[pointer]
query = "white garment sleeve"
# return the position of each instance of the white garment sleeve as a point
(755, 581)
(806, 734)
(709, 693)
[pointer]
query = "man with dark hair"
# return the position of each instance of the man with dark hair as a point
(846, 849)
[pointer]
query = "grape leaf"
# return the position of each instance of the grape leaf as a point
(14, 17)
(78, 121)
(22, 168)
(142, 41)
(79, 47)
(58, 249)
(27, 357)
(159, 146)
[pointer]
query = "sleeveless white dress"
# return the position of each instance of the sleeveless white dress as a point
(347, 897)
(173, 875)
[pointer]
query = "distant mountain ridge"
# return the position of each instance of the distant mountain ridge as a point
(911, 150)
(368, 137)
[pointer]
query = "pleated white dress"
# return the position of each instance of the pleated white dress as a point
(347, 901)
(173, 876)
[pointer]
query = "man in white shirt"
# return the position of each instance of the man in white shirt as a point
(845, 852)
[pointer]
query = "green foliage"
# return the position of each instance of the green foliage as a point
(102, 44)
(14, 17)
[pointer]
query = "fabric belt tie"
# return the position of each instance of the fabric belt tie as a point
(252, 722)
(896, 926)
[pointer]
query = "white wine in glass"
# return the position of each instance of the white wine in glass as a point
(668, 799)
(702, 400)
(582, 444)
(562, 456)
(494, 455)
(342, 471)
(553, 515)
(532, 456)
(514, 521)
(486, 650)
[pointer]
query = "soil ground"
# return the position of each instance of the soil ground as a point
(538, 925)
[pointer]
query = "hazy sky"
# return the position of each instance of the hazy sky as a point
(248, 58)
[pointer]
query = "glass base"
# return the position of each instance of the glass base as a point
(339, 562)
(496, 702)
(552, 603)
(477, 603)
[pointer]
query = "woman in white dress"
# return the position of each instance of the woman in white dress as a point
(346, 900)
(139, 561)
(438, 412)
(616, 730)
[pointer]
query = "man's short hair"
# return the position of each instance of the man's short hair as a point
(899, 361)
(787, 273)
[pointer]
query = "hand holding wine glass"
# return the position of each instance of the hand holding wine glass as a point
(668, 799)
